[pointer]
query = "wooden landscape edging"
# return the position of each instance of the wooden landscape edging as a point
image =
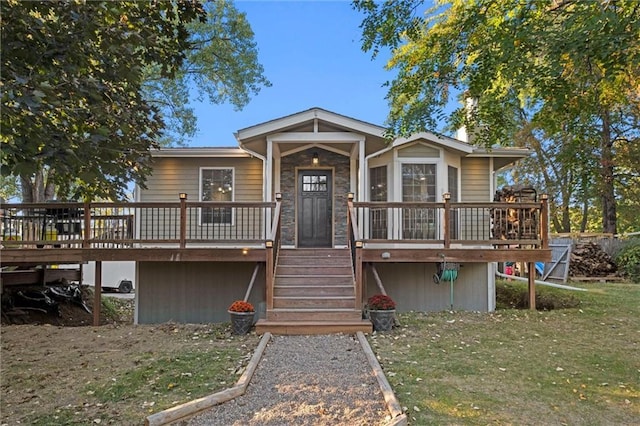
(191, 408)
(398, 418)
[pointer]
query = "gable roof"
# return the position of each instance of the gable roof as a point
(320, 123)
(300, 118)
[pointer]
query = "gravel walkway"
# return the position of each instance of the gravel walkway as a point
(306, 380)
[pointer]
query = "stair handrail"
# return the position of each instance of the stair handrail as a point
(272, 246)
(355, 246)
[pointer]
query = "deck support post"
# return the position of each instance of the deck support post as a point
(97, 293)
(531, 266)
(253, 279)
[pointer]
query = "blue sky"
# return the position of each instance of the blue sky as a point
(311, 53)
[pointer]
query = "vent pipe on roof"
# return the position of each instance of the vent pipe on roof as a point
(470, 106)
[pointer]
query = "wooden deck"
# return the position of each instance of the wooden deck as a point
(298, 299)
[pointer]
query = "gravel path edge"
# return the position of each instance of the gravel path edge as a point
(191, 408)
(398, 418)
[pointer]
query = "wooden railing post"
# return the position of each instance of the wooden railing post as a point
(183, 220)
(447, 219)
(86, 236)
(359, 275)
(544, 221)
(269, 260)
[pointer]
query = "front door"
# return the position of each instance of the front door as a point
(315, 212)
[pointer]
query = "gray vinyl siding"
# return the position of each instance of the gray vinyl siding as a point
(411, 286)
(475, 180)
(194, 292)
(474, 223)
(419, 151)
(175, 175)
(172, 176)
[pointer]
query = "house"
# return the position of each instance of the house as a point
(390, 215)
(306, 217)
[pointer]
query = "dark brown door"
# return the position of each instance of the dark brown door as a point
(314, 208)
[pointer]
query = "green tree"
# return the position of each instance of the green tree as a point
(220, 66)
(571, 65)
(85, 86)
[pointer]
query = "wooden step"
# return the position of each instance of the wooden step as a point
(315, 302)
(313, 327)
(317, 261)
(313, 270)
(313, 294)
(313, 291)
(313, 280)
(313, 314)
(314, 252)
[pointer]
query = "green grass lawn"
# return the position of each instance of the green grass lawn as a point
(574, 366)
(577, 364)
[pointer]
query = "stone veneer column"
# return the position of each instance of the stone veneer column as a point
(341, 182)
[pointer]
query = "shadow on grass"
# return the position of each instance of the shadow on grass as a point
(515, 295)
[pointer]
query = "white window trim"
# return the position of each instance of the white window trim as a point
(233, 194)
(440, 175)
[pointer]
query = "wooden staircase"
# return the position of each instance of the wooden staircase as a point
(314, 294)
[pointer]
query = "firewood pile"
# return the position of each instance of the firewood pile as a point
(590, 260)
(516, 223)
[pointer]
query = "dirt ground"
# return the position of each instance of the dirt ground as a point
(48, 362)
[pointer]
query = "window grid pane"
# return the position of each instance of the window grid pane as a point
(217, 185)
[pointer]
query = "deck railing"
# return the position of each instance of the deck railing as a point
(446, 223)
(124, 224)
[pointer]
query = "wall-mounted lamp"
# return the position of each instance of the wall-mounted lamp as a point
(315, 159)
(245, 251)
(183, 195)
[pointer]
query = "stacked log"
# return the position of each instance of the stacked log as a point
(590, 260)
(513, 224)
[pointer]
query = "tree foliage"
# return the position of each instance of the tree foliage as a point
(571, 66)
(89, 88)
(220, 66)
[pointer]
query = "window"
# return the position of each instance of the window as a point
(419, 182)
(419, 185)
(453, 190)
(314, 183)
(378, 180)
(378, 192)
(216, 185)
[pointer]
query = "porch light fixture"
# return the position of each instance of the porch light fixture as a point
(245, 251)
(315, 159)
(446, 195)
(183, 195)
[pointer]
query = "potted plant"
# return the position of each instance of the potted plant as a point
(382, 311)
(242, 314)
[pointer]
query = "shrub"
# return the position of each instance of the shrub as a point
(628, 259)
